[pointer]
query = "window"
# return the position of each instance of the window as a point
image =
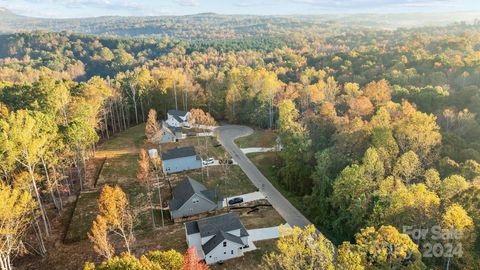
(231, 252)
(224, 244)
(224, 252)
(195, 200)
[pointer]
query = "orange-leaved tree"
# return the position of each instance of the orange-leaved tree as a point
(117, 218)
(191, 261)
(152, 127)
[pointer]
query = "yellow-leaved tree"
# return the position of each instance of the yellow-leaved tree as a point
(15, 217)
(116, 217)
(386, 248)
(298, 248)
(462, 235)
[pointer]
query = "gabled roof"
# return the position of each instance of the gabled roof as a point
(219, 238)
(186, 189)
(179, 153)
(214, 225)
(167, 128)
(171, 128)
(177, 113)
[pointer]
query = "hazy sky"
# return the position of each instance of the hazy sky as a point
(89, 8)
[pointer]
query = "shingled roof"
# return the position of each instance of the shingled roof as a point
(186, 189)
(179, 153)
(177, 113)
(218, 238)
(214, 225)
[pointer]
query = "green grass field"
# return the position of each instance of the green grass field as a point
(259, 138)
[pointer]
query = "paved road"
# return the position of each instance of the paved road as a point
(227, 134)
(249, 197)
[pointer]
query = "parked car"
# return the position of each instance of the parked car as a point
(208, 161)
(235, 200)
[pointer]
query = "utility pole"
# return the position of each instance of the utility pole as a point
(160, 197)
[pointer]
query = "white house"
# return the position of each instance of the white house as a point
(180, 159)
(217, 238)
(170, 134)
(176, 118)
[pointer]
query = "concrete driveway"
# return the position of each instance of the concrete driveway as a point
(216, 162)
(258, 149)
(249, 197)
(265, 233)
(227, 134)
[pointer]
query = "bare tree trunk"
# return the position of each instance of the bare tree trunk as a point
(55, 179)
(105, 121)
(447, 267)
(160, 197)
(175, 93)
(39, 200)
(79, 170)
(38, 233)
(50, 187)
(112, 116)
(149, 190)
(143, 111)
(134, 99)
(123, 116)
(68, 180)
(206, 150)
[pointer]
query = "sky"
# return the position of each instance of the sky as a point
(94, 8)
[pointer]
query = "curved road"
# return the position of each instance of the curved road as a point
(226, 135)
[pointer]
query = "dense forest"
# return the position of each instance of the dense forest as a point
(378, 127)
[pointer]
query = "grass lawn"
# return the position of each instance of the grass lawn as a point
(121, 152)
(236, 183)
(83, 215)
(205, 146)
(259, 138)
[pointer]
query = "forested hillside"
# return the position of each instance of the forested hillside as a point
(378, 127)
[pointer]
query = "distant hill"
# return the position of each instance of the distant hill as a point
(212, 25)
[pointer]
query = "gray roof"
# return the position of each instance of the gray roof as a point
(186, 189)
(180, 120)
(171, 128)
(214, 225)
(177, 113)
(167, 128)
(179, 153)
(191, 227)
(218, 238)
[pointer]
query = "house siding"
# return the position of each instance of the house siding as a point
(195, 241)
(167, 137)
(181, 164)
(171, 121)
(221, 253)
(190, 208)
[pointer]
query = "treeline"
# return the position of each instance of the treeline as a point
(377, 127)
